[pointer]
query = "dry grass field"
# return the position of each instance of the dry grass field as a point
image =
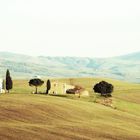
(26, 116)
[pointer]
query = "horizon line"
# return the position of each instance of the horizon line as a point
(18, 53)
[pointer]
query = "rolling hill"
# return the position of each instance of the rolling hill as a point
(39, 117)
(22, 66)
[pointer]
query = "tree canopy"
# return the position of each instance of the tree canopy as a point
(104, 88)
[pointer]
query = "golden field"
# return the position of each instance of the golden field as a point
(65, 117)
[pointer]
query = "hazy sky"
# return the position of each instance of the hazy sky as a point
(94, 28)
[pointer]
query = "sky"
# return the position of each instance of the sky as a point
(82, 28)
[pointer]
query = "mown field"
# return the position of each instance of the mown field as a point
(38, 116)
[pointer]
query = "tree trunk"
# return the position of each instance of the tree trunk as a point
(36, 90)
(79, 95)
(47, 91)
(8, 91)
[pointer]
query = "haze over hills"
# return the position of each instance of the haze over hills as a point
(125, 67)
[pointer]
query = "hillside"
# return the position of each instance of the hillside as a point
(21, 66)
(28, 116)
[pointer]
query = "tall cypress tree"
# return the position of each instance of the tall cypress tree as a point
(48, 85)
(9, 82)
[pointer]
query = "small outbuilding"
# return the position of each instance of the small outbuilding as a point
(2, 90)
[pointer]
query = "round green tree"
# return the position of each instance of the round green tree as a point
(104, 88)
(36, 83)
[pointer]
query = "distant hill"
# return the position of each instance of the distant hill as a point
(132, 56)
(125, 67)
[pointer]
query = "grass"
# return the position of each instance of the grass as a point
(36, 116)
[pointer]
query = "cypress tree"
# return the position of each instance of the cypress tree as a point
(48, 85)
(9, 82)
